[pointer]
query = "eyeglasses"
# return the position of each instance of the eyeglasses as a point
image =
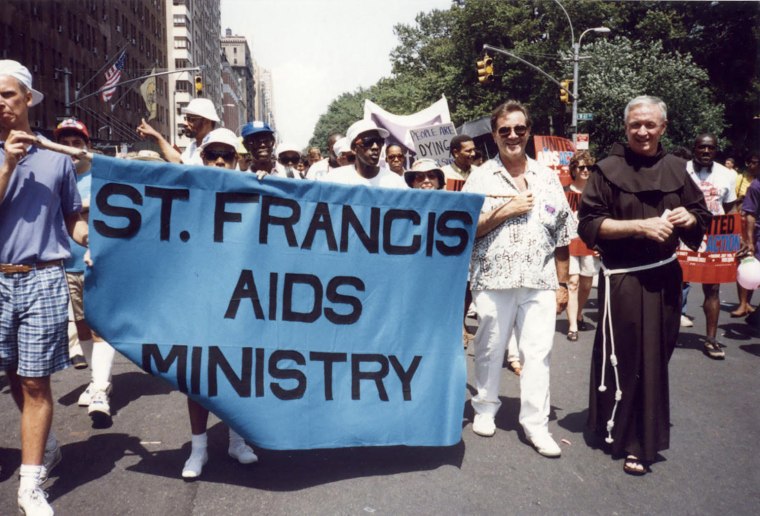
(421, 176)
(394, 157)
(519, 130)
(190, 119)
(368, 141)
(212, 155)
(289, 160)
(583, 167)
(258, 141)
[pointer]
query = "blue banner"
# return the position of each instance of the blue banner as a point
(303, 314)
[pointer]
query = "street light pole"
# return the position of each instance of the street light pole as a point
(576, 59)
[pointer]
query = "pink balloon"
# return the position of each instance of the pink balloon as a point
(748, 273)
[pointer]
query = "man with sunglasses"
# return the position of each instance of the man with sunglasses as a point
(396, 159)
(718, 185)
(462, 149)
(258, 138)
(288, 159)
(200, 120)
(518, 274)
(366, 140)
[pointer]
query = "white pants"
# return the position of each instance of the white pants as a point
(532, 313)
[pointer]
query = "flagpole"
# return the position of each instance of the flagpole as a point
(98, 92)
(97, 74)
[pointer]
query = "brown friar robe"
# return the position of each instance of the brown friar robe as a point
(645, 305)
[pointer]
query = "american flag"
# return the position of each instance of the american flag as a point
(113, 75)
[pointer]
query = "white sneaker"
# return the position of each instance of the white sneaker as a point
(86, 396)
(194, 464)
(100, 405)
(484, 425)
(686, 322)
(33, 502)
(242, 453)
(546, 446)
(49, 461)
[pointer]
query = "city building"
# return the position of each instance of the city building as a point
(193, 27)
(264, 100)
(238, 55)
(233, 112)
(69, 47)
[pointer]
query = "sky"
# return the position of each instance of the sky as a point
(318, 49)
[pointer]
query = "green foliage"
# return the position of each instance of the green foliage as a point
(689, 53)
(619, 70)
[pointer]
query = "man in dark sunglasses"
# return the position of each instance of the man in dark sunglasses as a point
(200, 120)
(220, 149)
(396, 159)
(366, 140)
(519, 274)
(288, 158)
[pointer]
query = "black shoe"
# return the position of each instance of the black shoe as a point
(713, 350)
(572, 336)
(79, 362)
(583, 325)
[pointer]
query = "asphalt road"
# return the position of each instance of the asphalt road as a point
(134, 466)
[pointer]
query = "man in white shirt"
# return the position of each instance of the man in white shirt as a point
(718, 185)
(366, 140)
(200, 119)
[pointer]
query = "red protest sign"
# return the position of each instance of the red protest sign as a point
(714, 262)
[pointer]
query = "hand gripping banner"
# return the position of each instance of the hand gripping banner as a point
(303, 314)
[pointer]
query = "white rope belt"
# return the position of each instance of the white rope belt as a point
(607, 324)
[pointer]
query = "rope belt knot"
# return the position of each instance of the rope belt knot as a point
(607, 326)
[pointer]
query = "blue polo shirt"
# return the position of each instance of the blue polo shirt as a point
(41, 192)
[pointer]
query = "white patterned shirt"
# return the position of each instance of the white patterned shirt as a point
(718, 185)
(519, 252)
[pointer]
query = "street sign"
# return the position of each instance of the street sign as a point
(585, 116)
(581, 141)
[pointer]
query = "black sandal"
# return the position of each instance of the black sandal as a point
(572, 336)
(713, 349)
(633, 466)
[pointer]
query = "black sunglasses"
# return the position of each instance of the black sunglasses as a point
(420, 176)
(289, 160)
(258, 141)
(211, 155)
(369, 141)
(583, 167)
(519, 130)
(395, 156)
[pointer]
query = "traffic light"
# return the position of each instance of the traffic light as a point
(198, 85)
(564, 93)
(485, 70)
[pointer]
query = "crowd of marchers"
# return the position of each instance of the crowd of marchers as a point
(636, 206)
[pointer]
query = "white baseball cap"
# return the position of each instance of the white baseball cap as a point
(287, 147)
(21, 74)
(363, 126)
(340, 146)
(221, 135)
(203, 108)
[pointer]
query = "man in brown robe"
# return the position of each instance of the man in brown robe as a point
(636, 205)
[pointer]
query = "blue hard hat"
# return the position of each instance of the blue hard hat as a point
(255, 127)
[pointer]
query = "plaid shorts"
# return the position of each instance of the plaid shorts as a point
(33, 322)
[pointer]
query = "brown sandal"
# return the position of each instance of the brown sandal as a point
(515, 366)
(633, 466)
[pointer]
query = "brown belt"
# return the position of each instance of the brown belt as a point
(20, 268)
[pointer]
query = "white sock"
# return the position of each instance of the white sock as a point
(101, 363)
(51, 442)
(87, 349)
(235, 439)
(199, 442)
(30, 477)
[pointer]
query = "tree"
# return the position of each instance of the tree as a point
(619, 70)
